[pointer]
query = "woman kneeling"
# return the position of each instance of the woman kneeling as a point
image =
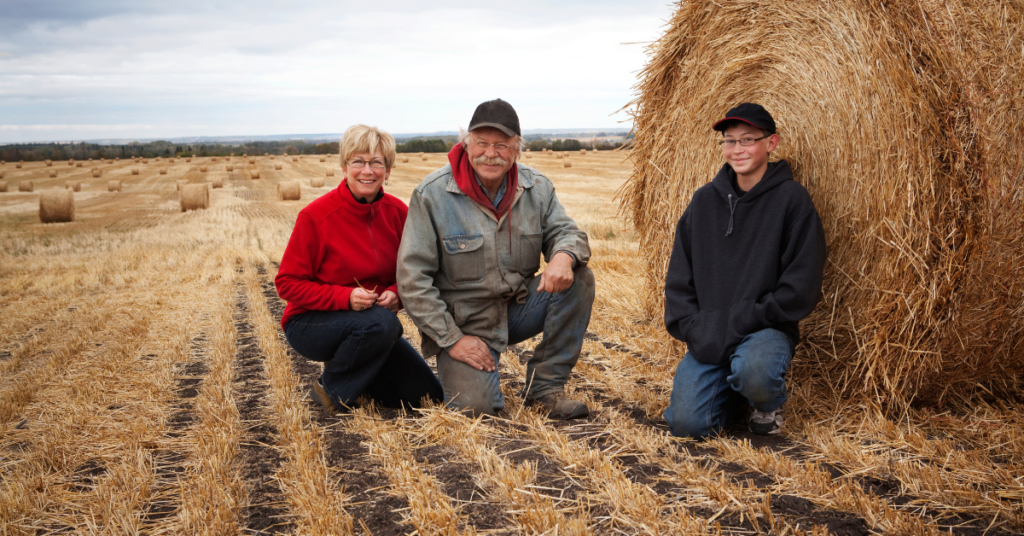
(338, 277)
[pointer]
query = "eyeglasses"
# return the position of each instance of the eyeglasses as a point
(746, 142)
(500, 147)
(359, 163)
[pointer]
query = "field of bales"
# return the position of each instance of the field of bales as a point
(146, 388)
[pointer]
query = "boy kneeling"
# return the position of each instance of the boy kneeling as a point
(746, 266)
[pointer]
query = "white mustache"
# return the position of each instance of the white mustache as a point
(496, 161)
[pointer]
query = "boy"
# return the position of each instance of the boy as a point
(746, 266)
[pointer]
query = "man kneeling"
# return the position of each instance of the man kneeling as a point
(467, 270)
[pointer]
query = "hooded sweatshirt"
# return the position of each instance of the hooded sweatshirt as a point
(743, 264)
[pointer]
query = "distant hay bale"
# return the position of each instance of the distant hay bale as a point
(316, 182)
(254, 174)
(252, 160)
(214, 159)
(567, 162)
(271, 157)
(529, 156)
(145, 160)
(405, 159)
(295, 159)
(75, 186)
(919, 195)
(178, 184)
(195, 197)
(96, 173)
(188, 160)
(3, 186)
(49, 163)
(559, 155)
(1, 174)
(421, 153)
(110, 161)
(217, 182)
(330, 172)
(71, 162)
(289, 190)
(56, 206)
(583, 151)
(113, 186)
(424, 158)
(135, 171)
(202, 169)
(163, 171)
(18, 165)
(229, 167)
(323, 159)
(78, 164)
(277, 167)
(53, 173)
(26, 186)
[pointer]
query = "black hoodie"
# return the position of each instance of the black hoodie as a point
(743, 264)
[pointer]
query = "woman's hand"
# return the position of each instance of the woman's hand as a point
(388, 300)
(361, 299)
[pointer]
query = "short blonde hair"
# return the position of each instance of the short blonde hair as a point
(367, 139)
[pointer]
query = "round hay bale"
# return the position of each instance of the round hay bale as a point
(295, 159)
(195, 197)
(424, 158)
(113, 186)
(96, 173)
(214, 159)
(78, 164)
(135, 171)
(217, 182)
(405, 159)
(133, 159)
(56, 206)
(252, 161)
(271, 157)
(3, 186)
(254, 174)
(229, 167)
(110, 161)
(18, 165)
(1, 174)
(117, 158)
(202, 169)
(71, 162)
(421, 153)
(277, 167)
(529, 156)
(904, 131)
(188, 160)
(75, 186)
(323, 159)
(316, 182)
(48, 163)
(583, 151)
(163, 171)
(53, 173)
(289, 190)
(330, 172)
(567, 162)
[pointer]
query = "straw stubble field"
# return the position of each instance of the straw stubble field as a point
(146, 388)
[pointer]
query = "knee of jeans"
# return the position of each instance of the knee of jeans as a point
(687, 424)
(473, 402)
(385, 325)
(760, 388)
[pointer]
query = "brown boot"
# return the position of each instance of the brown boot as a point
(320, 396)
(561, 407)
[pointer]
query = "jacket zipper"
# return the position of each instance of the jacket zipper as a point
(373, 245)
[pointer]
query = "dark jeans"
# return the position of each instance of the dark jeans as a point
(363, 352)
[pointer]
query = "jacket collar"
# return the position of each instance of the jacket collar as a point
(351, 204)
(525, 180)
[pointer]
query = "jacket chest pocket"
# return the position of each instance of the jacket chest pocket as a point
(464, 258)
(529, 253)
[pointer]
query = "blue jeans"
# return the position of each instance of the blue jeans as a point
(562, 317)
(706, 397)
(363, 352)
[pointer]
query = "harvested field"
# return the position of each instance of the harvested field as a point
(146, 388)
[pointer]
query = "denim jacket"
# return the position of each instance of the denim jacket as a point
(459, 266)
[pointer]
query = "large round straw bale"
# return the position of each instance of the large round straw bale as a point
(217, 182)
(96, 172)
(323, 159)
(255, 174)
(904, 130)
(289, 190)
(53, 173)
(567, 162)
(277, 166)
(75, 186)
(316, 182)
(135, 171)
(3, 186)
(163, 171)
(202, 169)
(229, 167)
(330, 172)
(195, 197)
(113, 186)
(56, 205)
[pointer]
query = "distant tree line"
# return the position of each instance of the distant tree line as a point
(84, 151)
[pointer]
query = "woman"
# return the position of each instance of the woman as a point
(338, 277)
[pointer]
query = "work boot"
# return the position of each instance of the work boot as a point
(320, 396)
(562, 408)
(766, 422)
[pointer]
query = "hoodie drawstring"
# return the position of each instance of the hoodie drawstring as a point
(732, 209)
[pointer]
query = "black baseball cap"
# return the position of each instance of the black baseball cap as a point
(750, 113)
(497, 114)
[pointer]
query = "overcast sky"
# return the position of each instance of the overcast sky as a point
(77, 70)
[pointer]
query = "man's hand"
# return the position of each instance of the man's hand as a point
(557, 275)
(361, 299)
(473, 352)
(388, 300)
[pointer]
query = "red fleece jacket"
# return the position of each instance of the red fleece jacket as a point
(336, 241)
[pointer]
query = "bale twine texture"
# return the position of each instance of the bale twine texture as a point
(75, 186)
(289, 190)
(316, 182)
(255, 174)
(195, 197)
(903, 121)
(113, 186)
(56, 206)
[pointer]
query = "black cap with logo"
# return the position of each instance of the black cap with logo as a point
(750, 113)
(496, 114)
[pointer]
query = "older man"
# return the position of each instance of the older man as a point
(467, 270)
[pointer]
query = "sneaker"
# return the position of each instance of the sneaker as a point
(766, 422)
(320, 396)
(562, 408)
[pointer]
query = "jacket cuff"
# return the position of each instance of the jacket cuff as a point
(449, 340)
(341, 297)
(575, 261)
